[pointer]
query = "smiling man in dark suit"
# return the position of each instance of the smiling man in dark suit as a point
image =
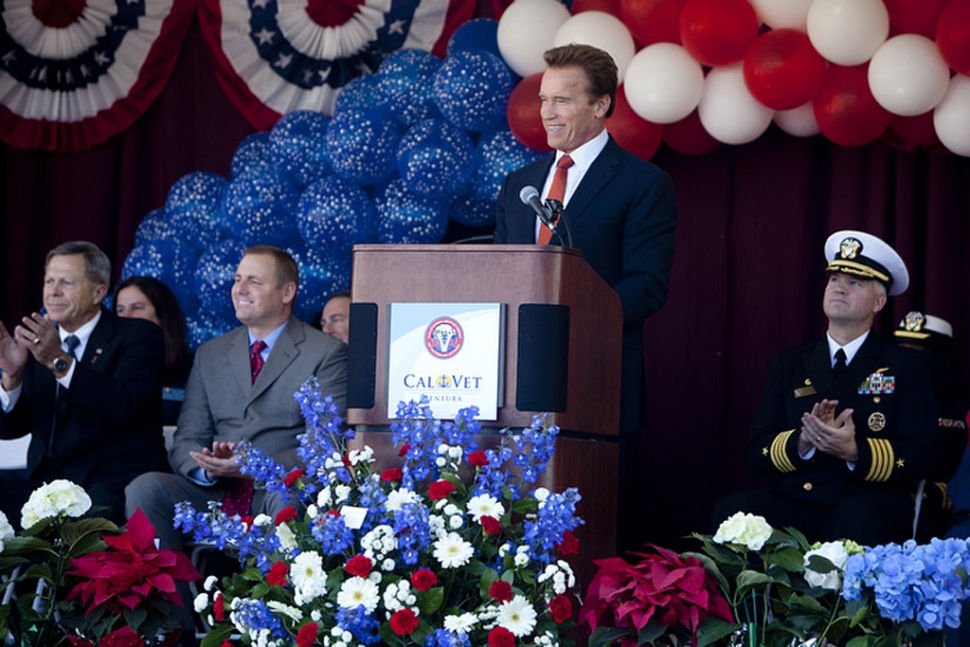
(622, 213)
(84, 384)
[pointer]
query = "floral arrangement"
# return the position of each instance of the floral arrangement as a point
(456, 546)
(69, 577)
(766, 587)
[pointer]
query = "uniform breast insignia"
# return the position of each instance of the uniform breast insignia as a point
(951, 423)
(97, 354)
(877, 421)
(878, 383)
(804, 391)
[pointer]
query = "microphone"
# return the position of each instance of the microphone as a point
(530, 195)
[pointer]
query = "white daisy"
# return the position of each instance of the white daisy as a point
(485, 505)
(518, 616)
(452, 551)
(397, 498)
(308, 576)
(284, 609)
(460, 624)
(287, 539)
(357, 591)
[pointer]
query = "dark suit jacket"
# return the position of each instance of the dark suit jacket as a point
(222, 403)
(895, 427)
(623, 218)
(110, 427)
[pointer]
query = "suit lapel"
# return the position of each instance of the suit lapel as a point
(101, 339)
(600, 172)
(239, 359)
(283, 353)
(818, 366)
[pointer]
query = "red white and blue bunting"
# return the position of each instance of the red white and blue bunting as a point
(73, 73)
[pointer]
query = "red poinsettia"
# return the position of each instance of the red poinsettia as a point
(131, 571)
(675, 590)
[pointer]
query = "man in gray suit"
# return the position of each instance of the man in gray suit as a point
(241, 388)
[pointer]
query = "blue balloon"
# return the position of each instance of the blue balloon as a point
(469, 209)
(253, 154)
(214, 275)
(361, 145)
(405, 217)
(360, 92)
(260, 207)
(500, 153)
(333, 215)
(298, 148)
(202, 326)
(169, 261)
(405, 82)
(472, 90)
(436, 159)
(480, 33)
(321, 275)
(154, 226)
(193, 208)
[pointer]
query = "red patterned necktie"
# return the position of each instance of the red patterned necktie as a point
(256, 360)
(556, 192)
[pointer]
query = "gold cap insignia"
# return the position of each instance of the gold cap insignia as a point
(849, 248)
(915, 321)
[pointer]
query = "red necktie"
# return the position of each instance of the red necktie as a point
(256, 358)
(556, 192)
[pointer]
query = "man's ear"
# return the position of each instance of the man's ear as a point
(100, 292)
(881, 300)
(289, 292)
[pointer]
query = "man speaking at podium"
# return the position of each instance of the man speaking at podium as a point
(621, 208)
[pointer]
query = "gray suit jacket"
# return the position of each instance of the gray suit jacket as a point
(221, 402)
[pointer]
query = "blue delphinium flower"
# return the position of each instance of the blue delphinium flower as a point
(555, 516)
(444, 638)
(262, 468)
(332, 533)
(256, 617)
(361, 624)
(412, 525)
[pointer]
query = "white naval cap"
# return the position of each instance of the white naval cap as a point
(864, 255)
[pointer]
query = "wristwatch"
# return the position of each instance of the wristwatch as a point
(60, 364)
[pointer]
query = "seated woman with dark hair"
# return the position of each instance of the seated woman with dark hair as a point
(145, 297)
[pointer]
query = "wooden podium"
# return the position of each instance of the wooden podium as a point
(562, 355)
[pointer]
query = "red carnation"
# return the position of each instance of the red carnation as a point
(423, 579)
(307, 635)
(403, 622)
(293, 475)
(560, 608)
(403, 450)
(479, 459)
(359, 565)
(569, 544)
(392, 474)
(219, 607)
(500, 590)
(440, 489)
(247, 521)
(501, 637)
(277, 574)
(284, 515)
(346, 460)
(490, 525)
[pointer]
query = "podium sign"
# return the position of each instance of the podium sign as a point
(450, 352)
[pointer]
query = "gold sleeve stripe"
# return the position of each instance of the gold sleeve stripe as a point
(883, 460)
(778, 456)
(947, 502)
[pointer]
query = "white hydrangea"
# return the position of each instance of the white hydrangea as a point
(437, 526)
(744, 529)
(835, 552)
(398, 596)
(379, 542)
(59, 497)
(6, 530)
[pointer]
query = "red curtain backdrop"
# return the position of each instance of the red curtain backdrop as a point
(747, 277)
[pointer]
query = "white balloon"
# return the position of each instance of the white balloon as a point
(526, 30)
(727, 110)
(663, 83)
(847, 32)
(952, 115)
(602, 30)
(783, 14)
(798, 122)
(907, 75)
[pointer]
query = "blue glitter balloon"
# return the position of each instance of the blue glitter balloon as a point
(406, 78)
(480, 33)
(360, 92)
(203, 325)
(321, 275)
(333, 215)
(405, 217)
(298, 147)
(154, 226)
(436, 159)
(260, 207)
(361, 145)
(169, 261)
(469, 209)
(500, 153)
(253, 154)
(214, 275)
(193, 209)
(472, 90)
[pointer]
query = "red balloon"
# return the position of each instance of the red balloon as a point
(611, 7)
(688, 136)
(953, 35)
(522, 112)
(914, 16)
(631, 131)
(782, 70)
(914, 131)
(845, 109)
(652, 21)
(718, 32)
